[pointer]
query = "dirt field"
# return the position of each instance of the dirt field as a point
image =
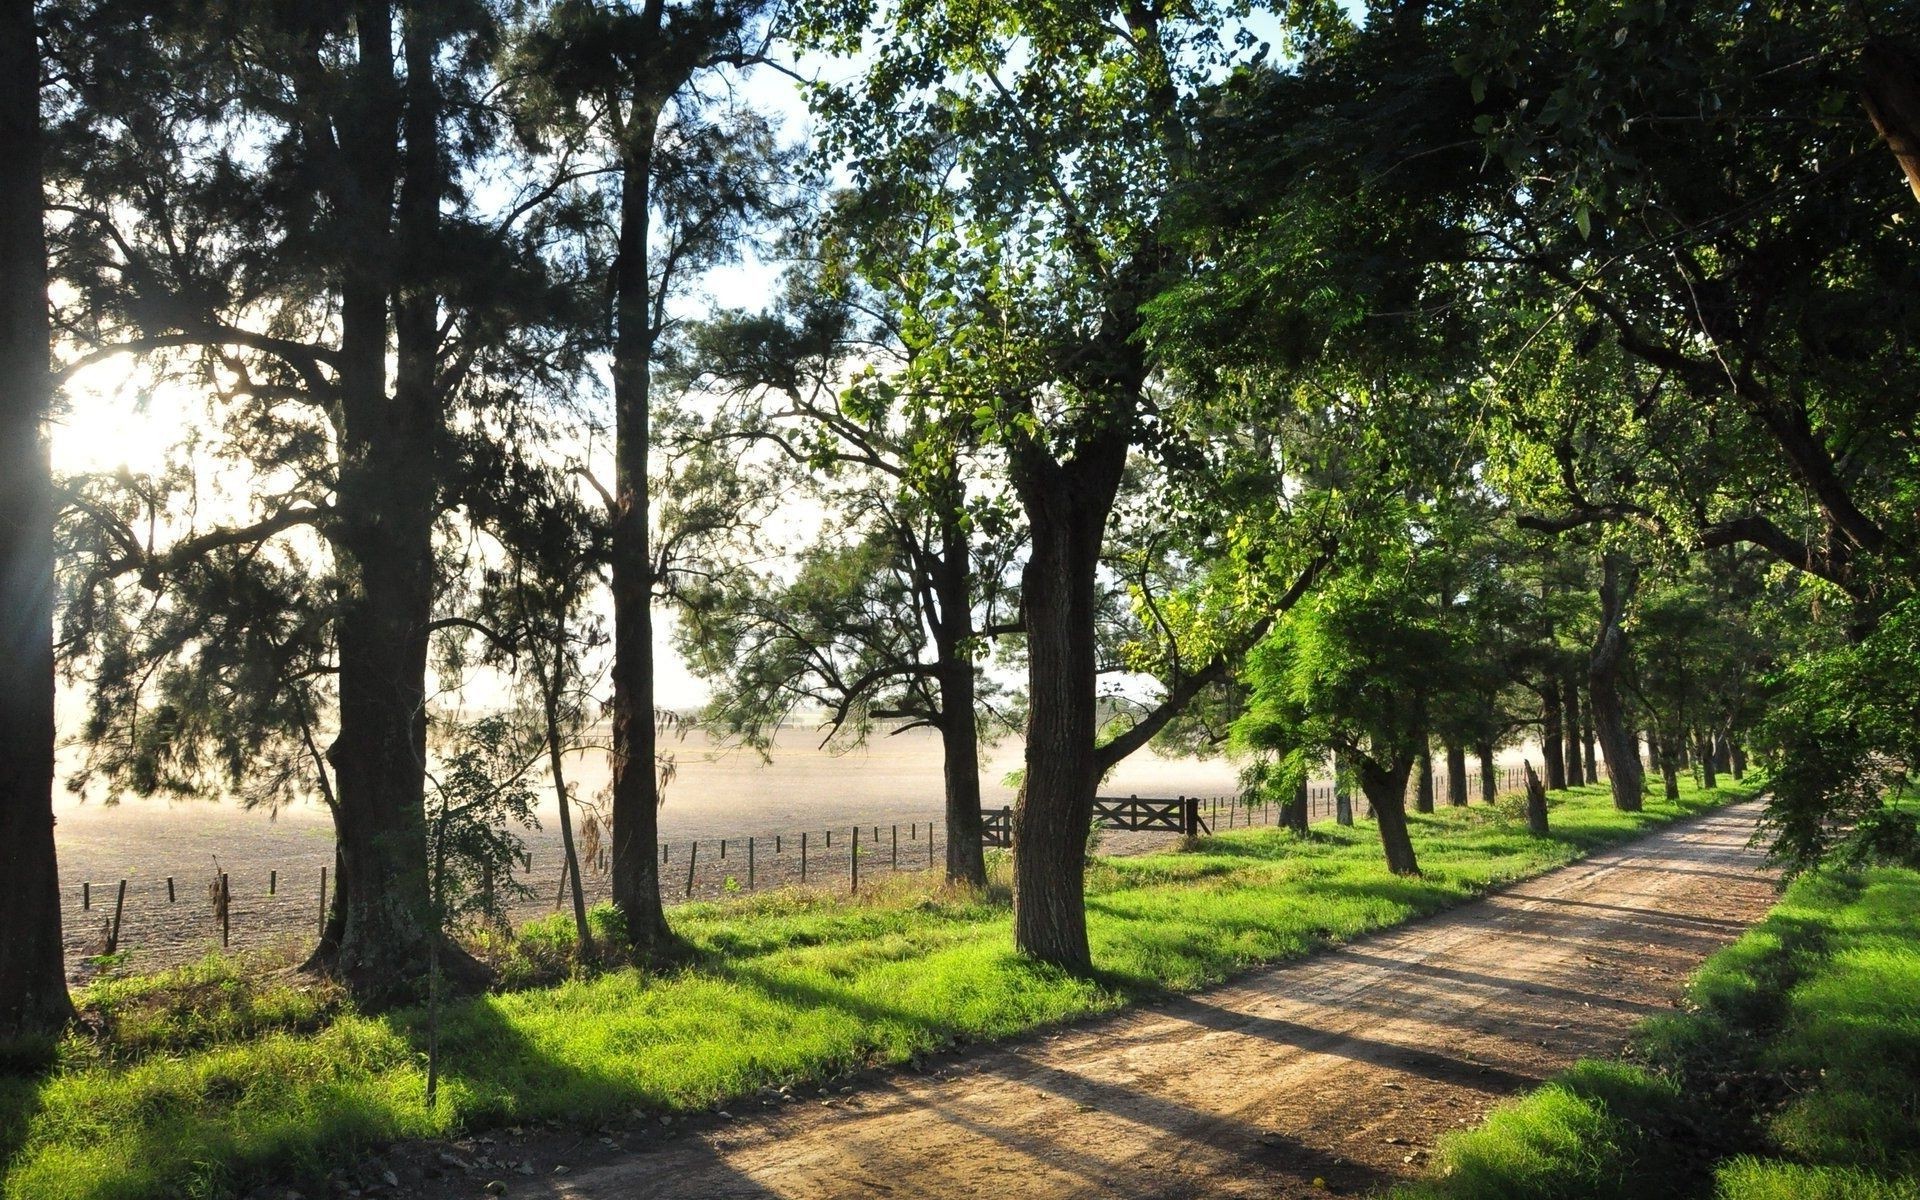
(1330, 1075)
(896, 781)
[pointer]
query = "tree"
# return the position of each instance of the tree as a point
(33, 983)
(910, 580)
(274, 204)
(620, 79)
(1068, 136)
(1348, 672)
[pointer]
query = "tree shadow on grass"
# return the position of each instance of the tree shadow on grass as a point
(19, 1103)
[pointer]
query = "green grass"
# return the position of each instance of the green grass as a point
(1794, 1071)
(250, 1079)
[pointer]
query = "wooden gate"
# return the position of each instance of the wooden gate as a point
(1181, 815)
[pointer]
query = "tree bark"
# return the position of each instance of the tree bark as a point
(1536, 803)
(1738, 755)
(1457, 775)
(550, 702)
(1589, 741)
(1552, 735)
(960, 749)
(1570, 719)
(959, 723)
(1705, 753)
(1423, 796)
(1489, 772)
(385, 508)
(33, 984)
(1669, 755)
(636, 794)
(1891, 93)
(1293, 814)
(1626, 779)
(1058, 602)
(1385, 787)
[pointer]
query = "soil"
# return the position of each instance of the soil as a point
(1333, 1074)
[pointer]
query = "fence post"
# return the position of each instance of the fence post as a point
(226, 916)
(723, 849)
(170, 886)
(323, 896)
(1189, 816)
(749, 864)
(273, 883)
(853, 862)
(119, 902)
(86, 896)
(693, 856)
(896, 848)
(803, 857)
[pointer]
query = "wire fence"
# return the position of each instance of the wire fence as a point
(153, 922)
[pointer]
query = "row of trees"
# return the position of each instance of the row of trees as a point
(1415, 380)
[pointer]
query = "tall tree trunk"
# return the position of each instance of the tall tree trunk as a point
(1386, 790)
(385, 506)
(960, 749)
(1457, 774)
(1570, 719)
(1738, 756)
(1489, 772)
(1626, 780)
(1552, 734)
(636, 795)
(1423, 794)
(1067, 509)
(959, 724)
(1670, 746)
(33, 982)
(1589, 741)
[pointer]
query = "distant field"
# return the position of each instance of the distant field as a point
(715, 794)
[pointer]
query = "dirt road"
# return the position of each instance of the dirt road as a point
(1341, 1068)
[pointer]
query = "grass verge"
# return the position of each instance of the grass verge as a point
(250, 1080)
(1793, 1071)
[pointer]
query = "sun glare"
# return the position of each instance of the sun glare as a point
(114, 419)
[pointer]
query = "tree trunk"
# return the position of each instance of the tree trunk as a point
(1293, 814)
(636, 795)
(1423, 796)
(1457, 775)
(1890, 91)
(1670, 744)
(33, 982)
(1059, 602)
(960, 749)
(1738, 754)
(1552, 735)
(1536, 803)
(1627, 781)
(385, 506)
(1489, 772)
(1570, 720)
(959, 723)
(550, 697)
(1386, 790)
(1706, 755)
(1589, 741)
